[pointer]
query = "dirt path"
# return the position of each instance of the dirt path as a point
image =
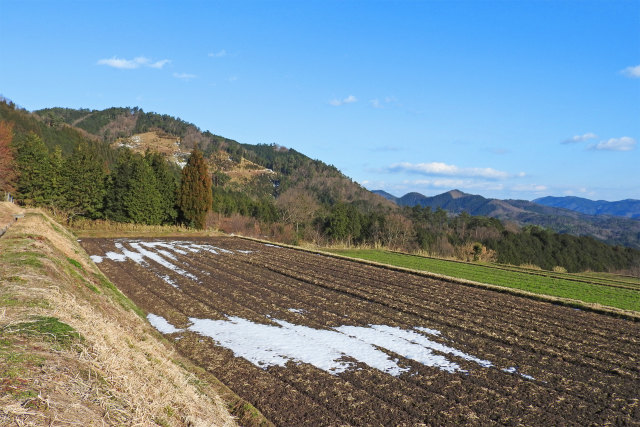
(314, 340)
(7, 212)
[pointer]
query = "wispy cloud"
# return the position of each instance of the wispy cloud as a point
(461, 184)
(380, 103)
(131, 64)
(535, 188)
(615, 144)
(439, 168)
(220, 54)
(348, 100)
(184, 76)
(631, 72)
(580, 138)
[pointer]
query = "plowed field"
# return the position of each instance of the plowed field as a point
(314, 340)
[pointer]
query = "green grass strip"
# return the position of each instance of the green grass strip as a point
(626, 299)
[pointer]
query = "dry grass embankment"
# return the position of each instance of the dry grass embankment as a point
(74, 350)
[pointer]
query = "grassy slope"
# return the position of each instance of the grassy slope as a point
(74, 350)
(626, 297)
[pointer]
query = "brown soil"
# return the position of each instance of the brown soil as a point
(586, 366)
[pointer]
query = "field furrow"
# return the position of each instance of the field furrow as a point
(315, 340)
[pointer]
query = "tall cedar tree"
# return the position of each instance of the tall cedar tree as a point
(8, 172)
(195, 196)
(32, 159)
(167, 180)
(84, 182)
(132, 193)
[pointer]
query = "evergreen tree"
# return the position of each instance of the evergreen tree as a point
(32, 159)
(133, 194)
(167, 182)
(8, 173)
(195, 196)
(118, 186)
(57, 178)
(143, 200)
(84, 182)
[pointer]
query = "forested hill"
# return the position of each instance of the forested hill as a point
(260, 171)
(612, 230)
(126, 165)
(628, 208)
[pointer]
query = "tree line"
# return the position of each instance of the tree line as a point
(47, 162)
(136, 188)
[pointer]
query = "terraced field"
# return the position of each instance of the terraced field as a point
(315, 340)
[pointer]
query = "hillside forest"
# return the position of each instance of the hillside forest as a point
(88, 165)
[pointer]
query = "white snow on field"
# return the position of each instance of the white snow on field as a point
(296, 310)
(411, 345)
(161, 324)
(332, 350)
(144, 253)
(161, 252)
(514, 370)
(116, 257)
(428, 331)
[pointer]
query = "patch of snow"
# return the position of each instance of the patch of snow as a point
(272, 246)
(415, 338)
(428, 331)
(514, 370)
(96, 258)
(244, 252)
(296, 310)
(157, 258)
(170, 281)
(161, 324)
(401, 342)
(269, 345)
(113, 256)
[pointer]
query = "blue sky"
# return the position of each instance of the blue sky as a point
(508, 99)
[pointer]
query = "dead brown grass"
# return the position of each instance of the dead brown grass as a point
(167, 145)
(120, 373)
(7, 211)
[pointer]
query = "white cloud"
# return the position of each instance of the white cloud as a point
(130, 64)
(530, 188)
(220, 54)
(232, 79)
(348, 100)
(580, 138)
(615, 144)
(158, 64)
(439, 168)
(377, 103)
(184, 76)
(461, 184)
(632, 72)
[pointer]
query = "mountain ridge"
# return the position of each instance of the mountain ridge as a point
(610, 229)
(627, 208)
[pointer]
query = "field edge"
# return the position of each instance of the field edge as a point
(568, 302)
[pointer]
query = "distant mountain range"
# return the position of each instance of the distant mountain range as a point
(628, 208)
(617, 230)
